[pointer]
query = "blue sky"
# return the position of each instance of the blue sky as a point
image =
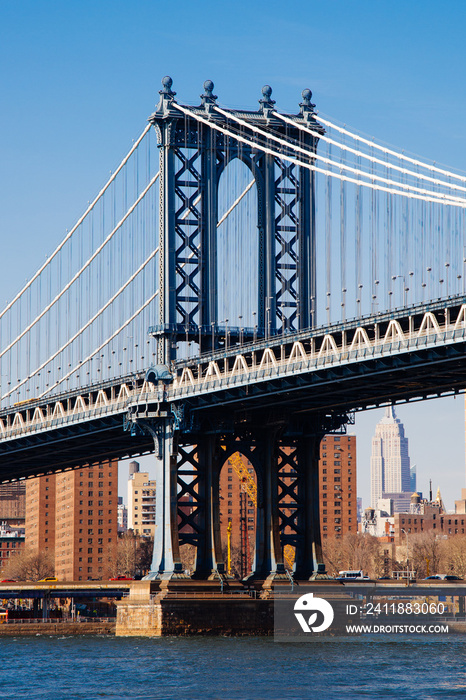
(78, 80)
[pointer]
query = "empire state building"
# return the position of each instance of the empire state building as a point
(389, 460)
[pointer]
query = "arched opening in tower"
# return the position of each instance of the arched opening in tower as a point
(238, 272)
(238, 514)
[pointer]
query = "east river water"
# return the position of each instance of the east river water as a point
(92, 668)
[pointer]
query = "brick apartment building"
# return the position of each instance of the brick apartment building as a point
(73, 515)
(337, 486)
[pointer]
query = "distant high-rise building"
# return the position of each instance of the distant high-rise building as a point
(122, 516)
(141, 502)
(412, 478)
(390, 468)
(360, 511)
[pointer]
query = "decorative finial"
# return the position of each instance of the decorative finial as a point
(208, 87)
(306, 104)
(266, 93)
(208, 97)
(167, 83)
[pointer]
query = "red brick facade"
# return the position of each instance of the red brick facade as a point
(337, 486)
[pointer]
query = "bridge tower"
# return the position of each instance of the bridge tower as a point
(194, 152)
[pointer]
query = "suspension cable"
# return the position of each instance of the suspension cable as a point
(265, 149)
(78, 223)
(101, 346)
(327, 161)
(368, 157)
(373, 144)
(81, 270)
(86, 326)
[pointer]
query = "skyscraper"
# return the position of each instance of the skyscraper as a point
(390, 468)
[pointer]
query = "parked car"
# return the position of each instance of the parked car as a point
(122, 578)
(47, 579)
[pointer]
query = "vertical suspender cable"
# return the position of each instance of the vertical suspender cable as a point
(328, 238)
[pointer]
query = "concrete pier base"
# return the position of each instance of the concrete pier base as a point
(159, 608)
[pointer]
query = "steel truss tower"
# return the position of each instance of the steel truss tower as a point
(191, 450)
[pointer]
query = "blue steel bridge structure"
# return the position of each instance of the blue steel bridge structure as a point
(244, 282)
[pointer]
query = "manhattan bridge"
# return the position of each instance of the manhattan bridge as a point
(244, 282)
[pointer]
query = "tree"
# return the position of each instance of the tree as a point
(125, 560)
(133, 555)
(422, 547)
(29, 565)
(453, 557)
(144, 554)
(354, 552)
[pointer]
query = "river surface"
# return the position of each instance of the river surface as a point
(53, 668)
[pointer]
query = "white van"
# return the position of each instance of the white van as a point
(355, 575)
